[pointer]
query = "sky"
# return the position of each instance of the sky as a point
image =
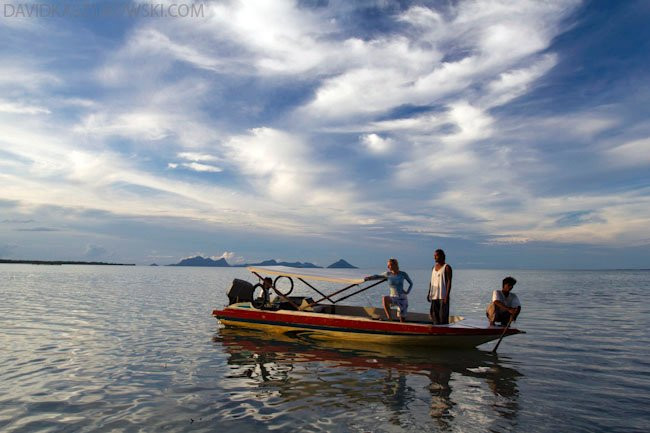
(509, 134)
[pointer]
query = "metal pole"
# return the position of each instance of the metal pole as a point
(318, 291)
(359, 291)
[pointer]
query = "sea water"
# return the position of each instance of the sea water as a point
(135, 349)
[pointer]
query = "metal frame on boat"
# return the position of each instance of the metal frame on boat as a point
(326, 319)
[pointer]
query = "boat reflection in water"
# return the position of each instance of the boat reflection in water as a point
(470, 389)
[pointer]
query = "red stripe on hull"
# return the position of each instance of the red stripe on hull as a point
(352, 324)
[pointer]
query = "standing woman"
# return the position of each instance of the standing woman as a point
(439, 289)
(397, 296)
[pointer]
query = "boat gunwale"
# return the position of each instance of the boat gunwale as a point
(327, 321)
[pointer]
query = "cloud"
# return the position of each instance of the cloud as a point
(143, 125)
(631, 153)
(281, 38)
(197, 162)
(18, 108)
(279, 98)
(230, 257)
(95, 251)
(61, 173)
(376, 144)
(491, 42)
(516, 82)
(195, 166)
(280, 165)
(202, 167)
(18, 75)
(199, 157)
(577, 218)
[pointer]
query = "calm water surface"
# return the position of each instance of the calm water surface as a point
(85, 348)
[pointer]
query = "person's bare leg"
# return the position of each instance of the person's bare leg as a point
(400, 314)
(386, 302)
(491, 313)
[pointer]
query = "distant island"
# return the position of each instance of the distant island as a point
(202, 261)
(341, 264)
(222, 263)
(192, 261)
(273, 262)
(62, 262)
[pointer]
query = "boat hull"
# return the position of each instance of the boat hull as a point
(333, 327)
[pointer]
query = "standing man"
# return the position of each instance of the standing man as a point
(439, 289)
(504, 304)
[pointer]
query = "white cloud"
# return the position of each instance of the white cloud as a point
(145, 125)
(230, 257)
(199, 157)
(16, 74)
(272, 158)
(631, 153)
(197, 162)
(287, 194)
(281, 38)
(513, 83)
(154, 53)
(579, 125)
(196, 166)
(376, 144)
(452, 67)
(19, 108)
(472, 122)
(280, 165)
(497, 40)
(79, 102)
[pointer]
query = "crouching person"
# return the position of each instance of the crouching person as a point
(504, 305)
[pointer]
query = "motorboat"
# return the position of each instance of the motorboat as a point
(273, 309)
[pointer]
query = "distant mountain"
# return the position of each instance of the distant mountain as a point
(222, 263)
(272, 262)
(298, 265)
(203, 261)
(264, 263)
(154, 264)
(341, 264)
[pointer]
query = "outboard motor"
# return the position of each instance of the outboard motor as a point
(240, 291)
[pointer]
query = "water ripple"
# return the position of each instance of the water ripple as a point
(89, 349)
